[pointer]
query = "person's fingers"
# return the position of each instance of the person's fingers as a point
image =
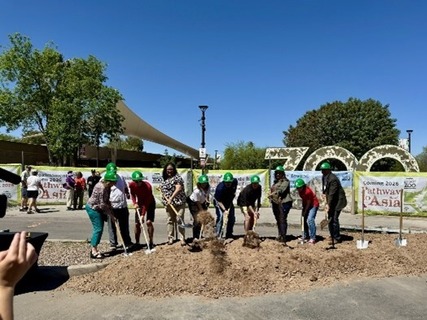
(14, 246)
(3, 254)
(22, 246)
(31, 254)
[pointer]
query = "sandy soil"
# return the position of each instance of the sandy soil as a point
(214, 269)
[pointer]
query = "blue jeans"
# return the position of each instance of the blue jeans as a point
(281, 212)
(97, 225)
(310, 224)
(230, 223)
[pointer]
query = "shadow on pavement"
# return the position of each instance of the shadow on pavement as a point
(42, 279)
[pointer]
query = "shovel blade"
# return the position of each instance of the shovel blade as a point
(149, 251)
(323, 224)
(401, 242)
(362, 244)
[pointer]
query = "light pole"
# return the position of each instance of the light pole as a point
(202, 152)
(214, 164)
(409, 131)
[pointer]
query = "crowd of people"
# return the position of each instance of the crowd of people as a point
(108, 197)
(108, 201)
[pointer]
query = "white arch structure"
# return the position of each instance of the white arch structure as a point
(136, 127)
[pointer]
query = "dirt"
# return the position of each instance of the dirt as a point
(223, 269)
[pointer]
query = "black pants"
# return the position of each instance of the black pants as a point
(122, 216)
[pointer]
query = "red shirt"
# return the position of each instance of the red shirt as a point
(307, 195)
(80, 183)
(141, 195)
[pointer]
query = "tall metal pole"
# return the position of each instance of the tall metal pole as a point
(409, 131)
(214, 164)
(203, 109)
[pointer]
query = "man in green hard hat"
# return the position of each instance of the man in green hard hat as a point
(335, 201)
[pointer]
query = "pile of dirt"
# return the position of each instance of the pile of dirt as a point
(225, 270)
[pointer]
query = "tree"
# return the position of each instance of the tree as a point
(8, 137)
(127, 143)
(355, 125)
(242, 156)
(66, 101)
(422, 160)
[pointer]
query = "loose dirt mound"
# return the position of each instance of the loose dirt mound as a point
(221, 270)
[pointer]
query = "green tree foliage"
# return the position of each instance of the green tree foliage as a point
(127, 143)
(8, 137)
(66, 101)
(355, 125)
(242, 156)
(422, 160)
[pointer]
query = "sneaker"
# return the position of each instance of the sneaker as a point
(311, 241)
(302, 239)
(22, 209)
(30, 212)
(70, 209)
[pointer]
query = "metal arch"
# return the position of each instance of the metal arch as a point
(331, 152)
(408, 162)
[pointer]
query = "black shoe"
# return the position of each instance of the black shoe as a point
(151, 245)
(70, 209)
(23, 209)
(38, 210)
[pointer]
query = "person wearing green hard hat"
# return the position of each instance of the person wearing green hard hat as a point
(249, 201)
(118, 198)
(99, 208)
(225, 192)
(281, 201)
(310, 205)
(141, 194)
(335, 201)
(174, 200)
(199, 201)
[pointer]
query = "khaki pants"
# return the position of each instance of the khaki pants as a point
(69, 195)
(172, 222)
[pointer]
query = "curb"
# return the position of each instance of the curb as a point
(78, 270)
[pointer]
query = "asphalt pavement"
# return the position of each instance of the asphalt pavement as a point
(392, 298)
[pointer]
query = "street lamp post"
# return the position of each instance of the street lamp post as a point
(216, 155)
(203, 150)
(409, 131)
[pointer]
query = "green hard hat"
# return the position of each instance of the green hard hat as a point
(255, 179)
(203, 179)
(280, 168)
(137, 176)
(111, 167)
(110, 176)
(299, 183)
(228, 177)
(325, 166)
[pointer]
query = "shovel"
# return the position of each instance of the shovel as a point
(399, 241)
(126, 254)
(144, 232)
(324, 222)
(181, 222)
(302, 241)
(362, 244)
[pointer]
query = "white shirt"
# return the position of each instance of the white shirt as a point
(33, 183)
(198, 195)
(117, 198)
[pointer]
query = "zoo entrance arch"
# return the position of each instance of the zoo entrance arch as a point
(294, 156)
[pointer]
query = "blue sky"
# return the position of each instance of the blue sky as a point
(258, 65)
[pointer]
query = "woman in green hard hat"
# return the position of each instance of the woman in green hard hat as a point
(281, 201)
(99, 208)
(249, 200)
(199, 201)
(310, 205)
